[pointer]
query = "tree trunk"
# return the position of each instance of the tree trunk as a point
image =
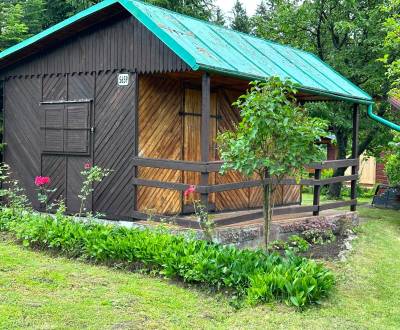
(267, 211)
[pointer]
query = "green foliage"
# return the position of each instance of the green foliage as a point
(202, 9)
(319, 236)
(275, 138)
(218, 17)
(11, 194)
(392, 44)
(12, 27)
(206, 222)
(392, 161)
(274, 132)
(242, 271)
(295, 243)
(240, 21)
(299, 291)
(91, 175)
(349, 36)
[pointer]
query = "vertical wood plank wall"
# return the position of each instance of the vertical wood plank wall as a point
(119, 44)
(114, 139)
(22, 134)
(169, 128)
(160, 131)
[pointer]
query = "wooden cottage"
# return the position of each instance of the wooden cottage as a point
(143, 91)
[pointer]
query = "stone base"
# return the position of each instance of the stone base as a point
(251, 235)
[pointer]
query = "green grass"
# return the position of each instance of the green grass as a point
(38, 291)
(307, 199)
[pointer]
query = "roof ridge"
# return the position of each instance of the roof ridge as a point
(222, 26)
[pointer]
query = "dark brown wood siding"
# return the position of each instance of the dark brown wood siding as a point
(111, 145)
(123, 44)
(114, 140)
(22, 131)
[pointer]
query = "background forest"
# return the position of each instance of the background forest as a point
(360, 39)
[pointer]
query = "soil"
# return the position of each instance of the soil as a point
(327, 251)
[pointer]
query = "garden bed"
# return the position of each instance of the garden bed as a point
(254, 276)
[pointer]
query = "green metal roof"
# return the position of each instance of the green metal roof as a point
(210, 47)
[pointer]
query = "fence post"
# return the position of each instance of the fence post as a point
(354, 153)
(205, 132)
(317, 191)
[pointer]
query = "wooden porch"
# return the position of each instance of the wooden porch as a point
(206, 168)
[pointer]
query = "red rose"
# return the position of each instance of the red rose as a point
(189, 190)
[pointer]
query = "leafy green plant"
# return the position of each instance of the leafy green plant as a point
(275, 138)
(42, 183)
(319, 236)
(294, 243)
(244, 272)
(392, 161)
(12, 195)
(299, 290)
(298, 243)
(91, 175)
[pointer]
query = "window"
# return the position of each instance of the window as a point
(66, 127)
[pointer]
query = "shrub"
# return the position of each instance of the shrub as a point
(319, 236)
(392, 169)
(295, 243)
(392, 161)
(255, 274)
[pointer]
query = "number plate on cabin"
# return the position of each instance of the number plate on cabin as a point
(123, 79)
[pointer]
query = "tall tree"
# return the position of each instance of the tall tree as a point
(240, 21)
(348, 35)
(392, 45)
(197, 8)
(12, 27)
(219, 17)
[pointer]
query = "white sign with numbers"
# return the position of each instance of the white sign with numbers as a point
(123, 79)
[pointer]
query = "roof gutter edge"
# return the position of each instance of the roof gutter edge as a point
(381, 120)
(160, 34)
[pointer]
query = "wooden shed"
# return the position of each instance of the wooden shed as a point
(143, 91)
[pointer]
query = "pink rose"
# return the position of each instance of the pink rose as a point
(87, 166)
(42, 180)
(189, 190)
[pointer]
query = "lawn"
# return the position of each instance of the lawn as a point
(38, 291)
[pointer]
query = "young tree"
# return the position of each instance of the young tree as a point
(240, 21)
(349, 36)
(275, 138)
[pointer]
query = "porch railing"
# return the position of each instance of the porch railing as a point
(214, 166)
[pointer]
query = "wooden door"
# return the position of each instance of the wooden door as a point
(66, 118)
(191, 141)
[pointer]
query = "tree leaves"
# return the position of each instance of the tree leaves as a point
(274, 133)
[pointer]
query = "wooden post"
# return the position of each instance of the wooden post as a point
(354, 153)
(317, 191)
(205, 131)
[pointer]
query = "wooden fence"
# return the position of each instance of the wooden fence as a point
(206, 168)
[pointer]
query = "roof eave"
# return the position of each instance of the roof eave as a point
(57, 27)
(310, 90)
